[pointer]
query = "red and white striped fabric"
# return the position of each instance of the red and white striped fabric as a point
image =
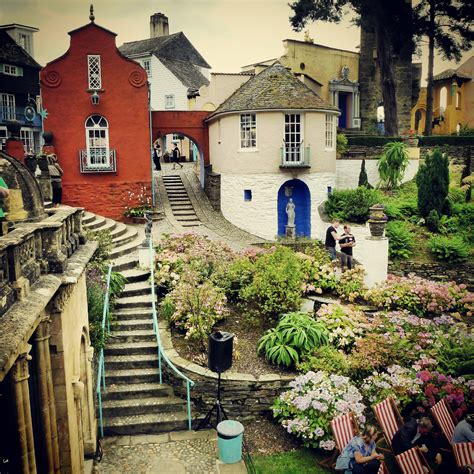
(343, 430)
(383, 469)
(464, 453)
(443, 417)
(411, 462)
(387, 419)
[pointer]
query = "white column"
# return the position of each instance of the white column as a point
(375, 260)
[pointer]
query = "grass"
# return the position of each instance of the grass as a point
(300, 461)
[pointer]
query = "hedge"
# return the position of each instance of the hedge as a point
(369, 140)
(434, 140)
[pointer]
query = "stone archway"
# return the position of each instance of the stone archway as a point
(300, 193)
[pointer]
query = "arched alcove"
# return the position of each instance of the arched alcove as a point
(299, 192)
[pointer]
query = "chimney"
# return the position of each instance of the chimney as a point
(159, 25)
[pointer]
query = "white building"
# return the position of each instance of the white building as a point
(273, 139)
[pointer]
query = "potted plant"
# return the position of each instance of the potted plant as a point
(43, 163)
(31, 162)
(410, 138)
(377, 220)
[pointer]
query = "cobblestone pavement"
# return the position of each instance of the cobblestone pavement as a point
(171, 453)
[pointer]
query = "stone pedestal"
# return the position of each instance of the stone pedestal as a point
(144, 255)
(290, 231)
(45, 186)
(375, 260)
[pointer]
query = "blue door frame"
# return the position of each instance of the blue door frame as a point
(302, 198)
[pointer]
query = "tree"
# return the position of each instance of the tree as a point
(390, 20)
(466, 176)
(363, 178)
(392, 164)
(447, 25)
(433, 183)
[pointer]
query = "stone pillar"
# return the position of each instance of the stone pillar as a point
(21, 397)
(78, 390)
(375, 260)
(46, 394)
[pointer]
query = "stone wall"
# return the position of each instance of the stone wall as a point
(212, 187)
(456, 153)
(243, 396)
(436, 271)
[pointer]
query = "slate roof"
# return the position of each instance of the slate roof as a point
(12, 53)
(275, 88)
(187, 73)
(450, 73)
(175, 46)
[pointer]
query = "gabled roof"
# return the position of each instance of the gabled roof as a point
(275, 88)
(11, 52)
(91, 24)
(175, 46)
(187, 73)
(452, 73)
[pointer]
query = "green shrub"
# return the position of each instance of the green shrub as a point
(433, 183)
(363, 178)
(326, 358)
(295, 335)
(450, 249)
(276, 285)
(104, 246)
(449, 225)
(235, 277)
(117, 284)
(352, 204)
(440, 140)
(369, 140)
(456, 195)
(401, 240)
(456, 356)
(392, 164)
(341, 144)
(432, 221)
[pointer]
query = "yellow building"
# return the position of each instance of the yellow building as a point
(330, 72)
(453, 101)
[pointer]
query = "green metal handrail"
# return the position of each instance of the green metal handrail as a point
(105, 331)
(161, 354)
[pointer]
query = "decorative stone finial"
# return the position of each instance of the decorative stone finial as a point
(91, 15)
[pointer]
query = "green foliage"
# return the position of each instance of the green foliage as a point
(433, 183)
(117, 284)
(450, 249)
(104, 246)
(341, 144)
(363, 178)
(401, 239)
(466, 131)
(369, 140)
(432, 221)
(295, 335)
(235, 277)
(300, 461)
(456, 356)
(276, 286)
(326, 358)
(352, 204)
(392, 164)
(440, 140)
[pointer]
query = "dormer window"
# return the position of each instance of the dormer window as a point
(94, 72)
(11, 70)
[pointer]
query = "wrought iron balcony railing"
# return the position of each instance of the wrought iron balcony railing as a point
(295, 157)
(98, 160)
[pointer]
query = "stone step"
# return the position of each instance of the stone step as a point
(171, 177)
(137, 361)
(146, 424)
(109, 225)
(143, 301)
(179, 205)
(125, 263)
(174, 186)
(125, 249)
(128, 236)
(138, 335)
(87, 217)
(131, 390)
(134, 324)
(136, 289)
(191, 224)
(187, 219)
(136, 275)
(179, 199)
(132, 348)
(120, 229)
(176, 192)
(127, 376)
(180, 212)
(96, 224)
(132, 314)
(143, 406)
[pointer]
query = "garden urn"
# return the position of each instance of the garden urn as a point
(377, 220)
(31, 162)
(43, 164)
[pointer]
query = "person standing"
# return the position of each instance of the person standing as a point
(331, 238)
(347, 242)
(56, 173)
(176, 155)
(157, 156)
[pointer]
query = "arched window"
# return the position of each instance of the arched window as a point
(458, 100)
(97, 140)
(443, 101)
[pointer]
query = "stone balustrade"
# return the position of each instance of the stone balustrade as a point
(33, 249)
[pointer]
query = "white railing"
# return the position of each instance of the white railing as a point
(295, 157)
(97, 160)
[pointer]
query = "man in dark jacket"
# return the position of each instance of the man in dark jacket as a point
(176, 154)
(417, 433)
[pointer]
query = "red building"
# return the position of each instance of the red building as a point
(97, 104)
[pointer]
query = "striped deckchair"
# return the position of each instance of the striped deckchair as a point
(389, 419)
(463, 452)
(413, 462)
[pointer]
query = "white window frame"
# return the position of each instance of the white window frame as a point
(25, 38)
(293, 139)
(146, 64)
(28, 139)
(10, 70)
(170, 101)
(248, 131)
(98, 156)
(94, 72)
(7, 103)
(3, 137)
(330, 133)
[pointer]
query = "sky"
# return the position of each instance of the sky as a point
(228, 33)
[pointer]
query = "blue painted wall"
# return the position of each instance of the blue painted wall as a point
(302, 199)
(343, 108)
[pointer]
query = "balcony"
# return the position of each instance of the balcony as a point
(18, 113)
(97, 160)
(295, 157)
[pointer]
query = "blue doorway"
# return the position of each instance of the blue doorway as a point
(299, 192)
(343, 108)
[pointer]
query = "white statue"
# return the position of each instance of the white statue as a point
(290, 212)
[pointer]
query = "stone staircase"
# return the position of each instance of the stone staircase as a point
(134, 401)
(181, 205)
